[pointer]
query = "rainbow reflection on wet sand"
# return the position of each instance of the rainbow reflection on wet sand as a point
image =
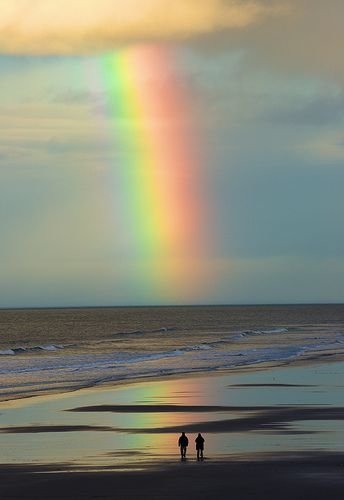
(240, 413)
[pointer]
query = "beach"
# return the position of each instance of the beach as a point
(171, 258)
(272, 430)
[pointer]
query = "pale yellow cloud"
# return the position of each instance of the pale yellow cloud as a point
(82, 26)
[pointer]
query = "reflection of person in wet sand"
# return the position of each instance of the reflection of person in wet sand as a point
(199, 446)
(183, 444)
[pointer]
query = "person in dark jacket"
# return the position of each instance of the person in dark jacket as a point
(183, 444)
(199, 446)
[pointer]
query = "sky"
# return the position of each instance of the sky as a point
(194, 157)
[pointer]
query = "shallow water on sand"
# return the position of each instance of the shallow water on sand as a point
(275, 409)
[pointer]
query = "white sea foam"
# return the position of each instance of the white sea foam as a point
(153, 350)
(275, 330)
(25, 350)
(247, 333)
(51, 347)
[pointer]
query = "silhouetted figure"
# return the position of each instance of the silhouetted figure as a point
(183, 444)
(199, 446)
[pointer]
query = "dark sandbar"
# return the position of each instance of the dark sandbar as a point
(274, 419)
(36, 429)
(272, 385)
(166, 408)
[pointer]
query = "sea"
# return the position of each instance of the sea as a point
(58, 350)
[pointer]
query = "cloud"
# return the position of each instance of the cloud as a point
(84, 26)
(319, 110)
(328, 147)
(309, 40)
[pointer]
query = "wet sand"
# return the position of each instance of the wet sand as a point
(272, 432)
(313, 476)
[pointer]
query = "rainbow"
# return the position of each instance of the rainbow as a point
(149, 118)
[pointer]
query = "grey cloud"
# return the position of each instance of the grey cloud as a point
(322, 110)
(309, 40)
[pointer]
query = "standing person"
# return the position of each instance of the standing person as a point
(199, 446)
(183, 444)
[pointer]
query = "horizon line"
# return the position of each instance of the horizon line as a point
(112, 306)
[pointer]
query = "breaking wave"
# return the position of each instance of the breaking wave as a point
(25, 350)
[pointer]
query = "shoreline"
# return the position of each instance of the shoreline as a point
(309, 358)
(264, 425)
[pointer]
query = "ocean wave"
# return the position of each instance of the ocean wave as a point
(25, 350)
(129, 334)
(135, 333)
(164, 329)
(276, 330)
(248, 333)
(7, 352)
(13, 351)
(88, 369)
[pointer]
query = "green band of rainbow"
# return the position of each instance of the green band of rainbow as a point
(156, 158)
